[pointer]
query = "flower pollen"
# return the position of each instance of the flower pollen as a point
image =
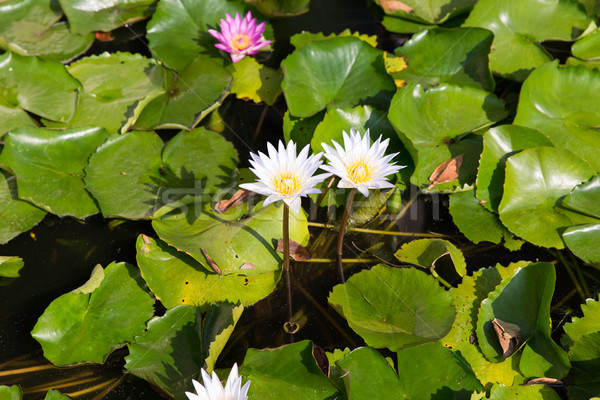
(358, 172)
(286, 184)
(240, 42)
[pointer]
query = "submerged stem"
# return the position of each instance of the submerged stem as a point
(286, 266)
(340, 241)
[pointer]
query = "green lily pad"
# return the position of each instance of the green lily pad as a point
(524, 300)
(585, 356)
(394, 307)
(116, 87)
(16, 215)
(41, 87)
(365, 372)
(188, 96)
(431, 123)
(338, 72)
(178, 30)
(300, 130)
(431, 11)
(430, 63)
(499, 143)
(47, 162)
(13, 392)
(254, 81)
(175, 278)
(519, 26)
(427, 252)
(561, 102)
(467, 298)
(87, 327)
(474, 221)
(402, 25)
(534, 392)
(55, 395)
(13, 118)
(536, 179)
(127, 186)
(31, 28)
(584, 198)
(303, 38)
(289, 371)
(10, 266)
(588, 47)
(582, 241)
(239, 241)
(432, 368)
(580, 326)
(277, 8)
(177, 345)
(98, 15)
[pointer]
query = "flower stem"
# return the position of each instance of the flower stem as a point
(286, 262)
(340, 241)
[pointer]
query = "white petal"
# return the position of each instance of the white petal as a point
(294, 202)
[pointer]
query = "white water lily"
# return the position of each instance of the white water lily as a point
(360, 165)
(213, 390)
(283, 175)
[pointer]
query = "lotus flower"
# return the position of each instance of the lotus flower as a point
(213, 390)
(240, 37)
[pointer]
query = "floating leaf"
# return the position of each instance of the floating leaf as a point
(233, 238)
(175, 278)
(535, 181)
(116, 87)
(338, 72)
(394, 307)
(98, 15)
(87, 327)
(13, 118)
(178, 30)
(290, 371)
(16, 215)
(524, 300)
(580, 326)
(430, 63)
(188, 96)
(561, 102)
(300, 130)
(239, 197)
(467, 298)
(432, 368)
(177, 345)
(587, 48)
(584, 198)
(47, 162)
(41, 87)
(582, 241)
(13, 392)
(499, 143)
(518, 26)
(431, 11)
(427, 252)
(501, 392)
(276, 8)
(431, 124)
(585, 358)
(10, 266)
(303, 38)
(255, 82)
(31, 28)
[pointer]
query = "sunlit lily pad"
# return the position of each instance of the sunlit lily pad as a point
(47, 162)
(588, 47)
(256, 82)
(31, 28)
(13, 392)
(188, 96)
(430, 63)
(519, 26)
(13, 118)
(16, 215)
(175, 278)
(300, 130)
(585, 358)
(87, 327)
(524, 300)
(394, 307)
(427, 253)
(562, 103)
(235, 239)
(580, 326)
(98, 15)
(583, 241)
(10, 266)
(277, 8)
(338, 72)
(177, 345)
(303, 38)
(289, 371)
(41, 87)
(116, 87)
(467, 297)
(178, 30)
(534, 392)
(535, 181)
(431, 11)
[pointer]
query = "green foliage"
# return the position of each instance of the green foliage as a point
(427, 252)
(176, 346)
(394, 307)
(10, 266)
(86, 327)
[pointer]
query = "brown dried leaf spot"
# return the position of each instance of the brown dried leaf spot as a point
(241, 196)
(446, 171)
(394, 5)
(297, 251)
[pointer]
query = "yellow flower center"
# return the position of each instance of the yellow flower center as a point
(240, 42)
(286, 184)
(358, 172)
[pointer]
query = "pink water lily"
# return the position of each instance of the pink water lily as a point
(240, 37)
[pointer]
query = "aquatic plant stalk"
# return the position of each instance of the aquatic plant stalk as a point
(340, 240)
